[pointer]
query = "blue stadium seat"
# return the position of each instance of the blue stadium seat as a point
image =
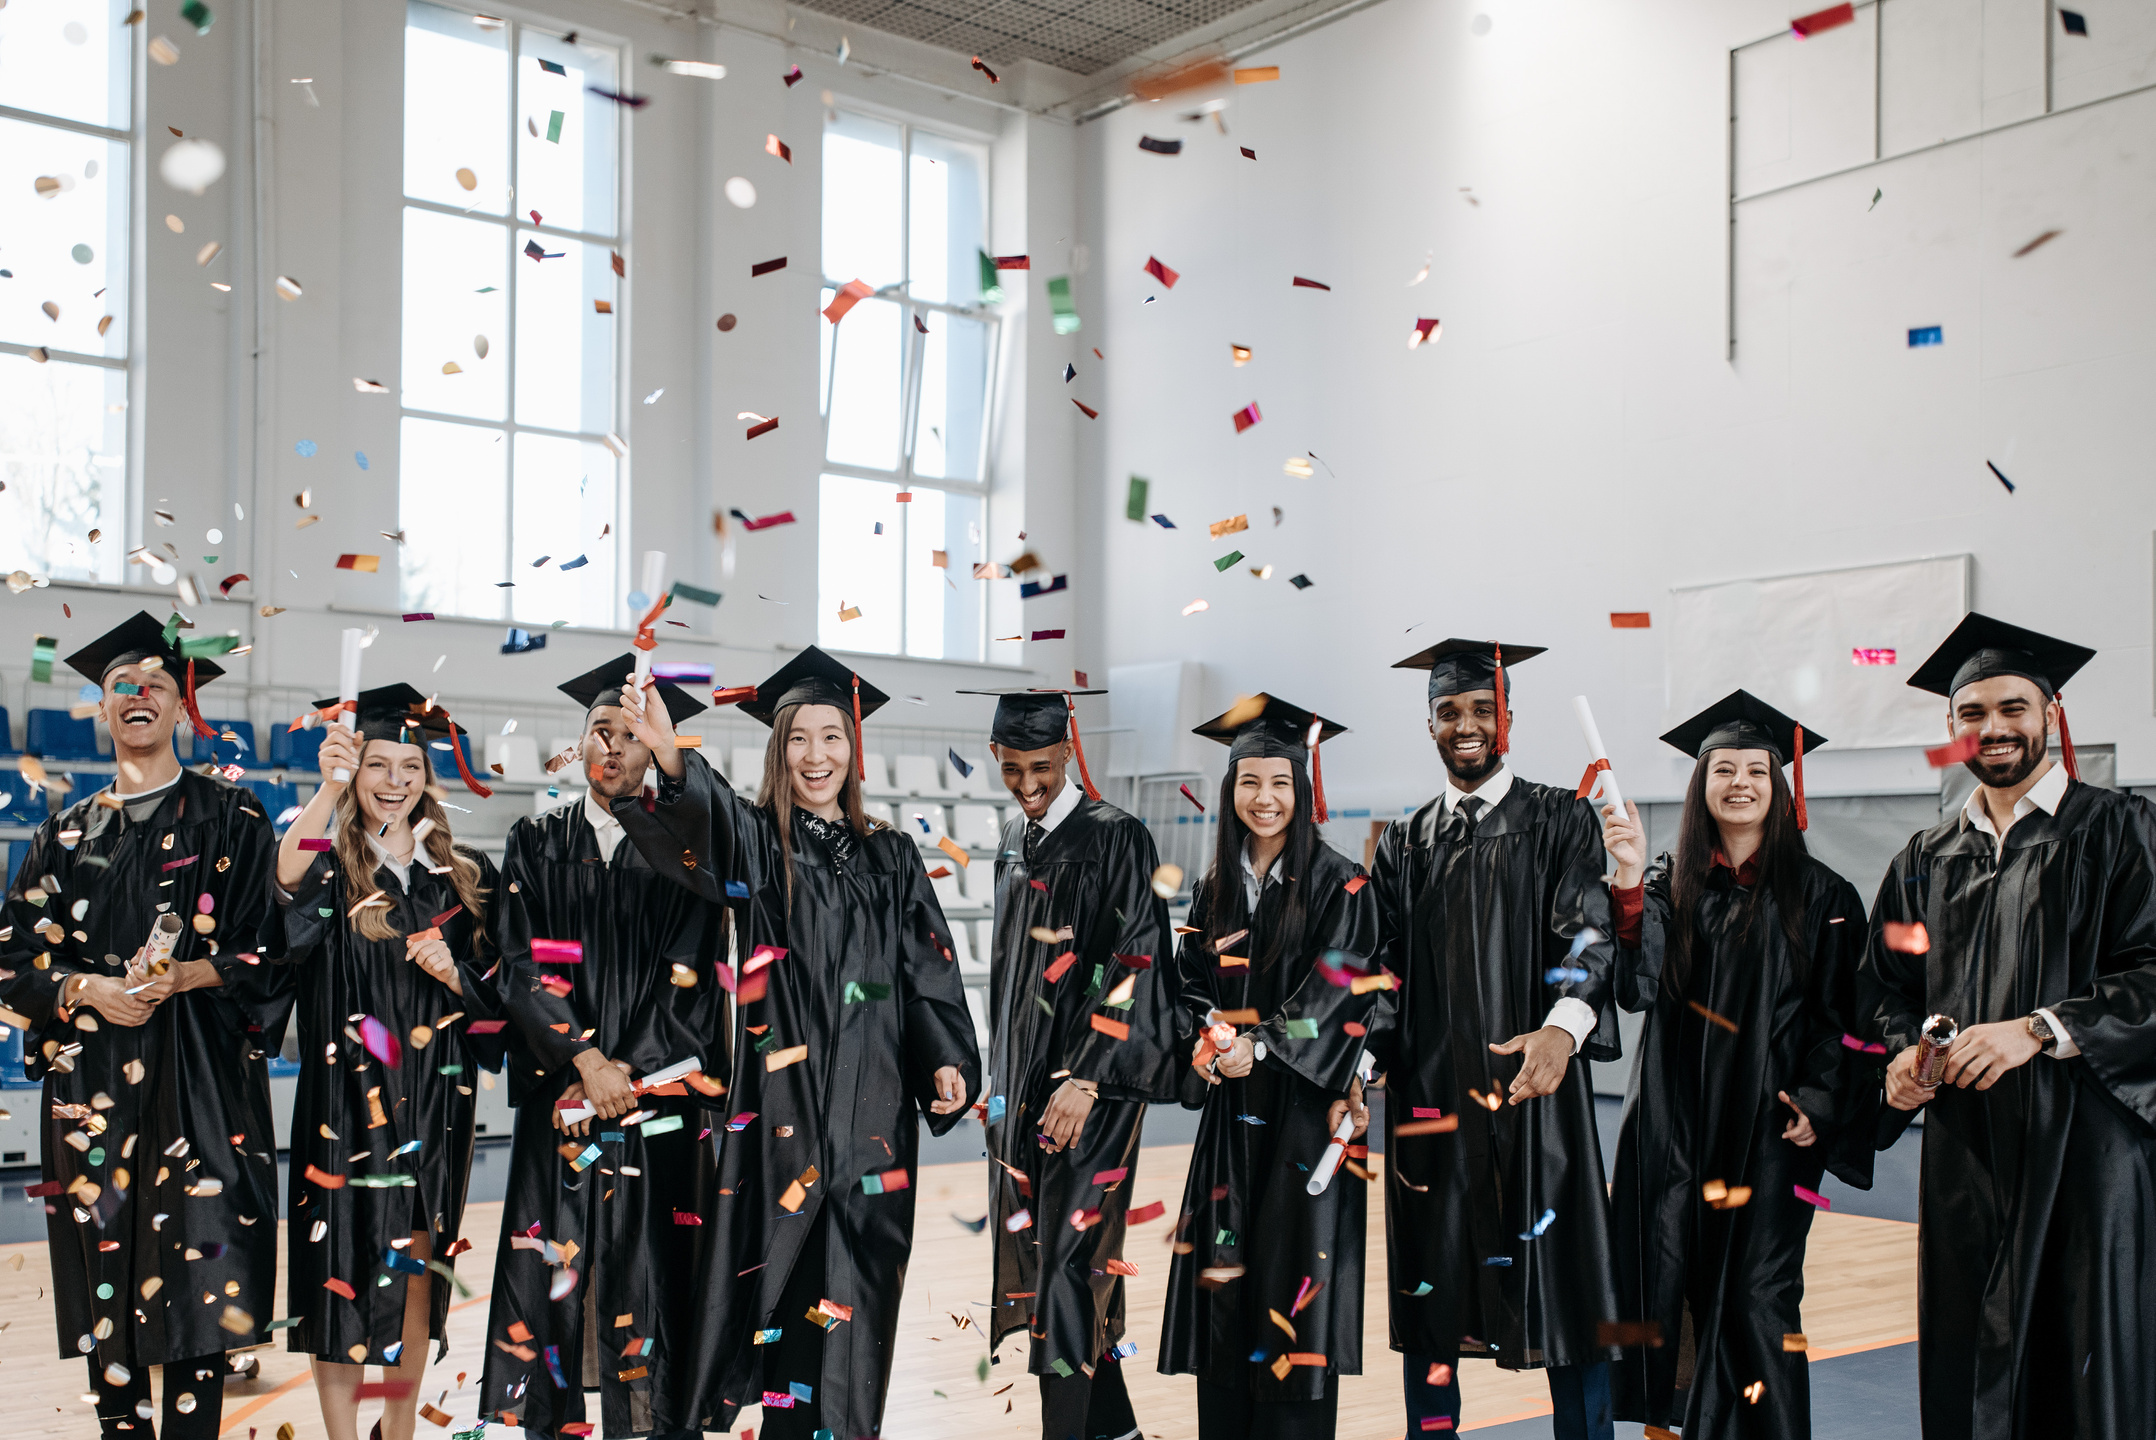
(7, 733)
(56, 735)
(20, 802)
(227, 752)
(277, 796)
(445, 764)
(295, 749)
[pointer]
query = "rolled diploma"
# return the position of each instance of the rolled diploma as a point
(164, 938)
(1335, 1151)
(654, 578)
(348, 689)
(1610, 794)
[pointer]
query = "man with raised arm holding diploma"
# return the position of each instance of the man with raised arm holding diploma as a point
(160, 1164)
(1496, 1218)
(2028, 918)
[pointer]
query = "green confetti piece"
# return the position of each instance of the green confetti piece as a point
(872, 1184)
(284, 1324)
(172, 628)
(43, 649)
(1046, 1008)
(1302, 1029)
(1228, 559)
(1094, 987)
(664, 1125)
(769, 1039)
(553, 128)
(83, 254)
(451, 1276)
(980, 1371)
(684, 591)
(866, 990)
(194, 649)
(1225, 1237)
(1061, 1367)
(1135, 507)
(1059, 299)
(197, 14)
(991, 280)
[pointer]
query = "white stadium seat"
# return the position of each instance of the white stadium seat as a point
(977, 827)
(879, 772)
(747, 772)
(917, 775)
(947, 893)
(977, 1002)
(913, 812)
(985, 783)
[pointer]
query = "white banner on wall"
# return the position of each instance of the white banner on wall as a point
(1834, 648)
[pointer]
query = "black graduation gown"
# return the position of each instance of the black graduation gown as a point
(426, 1100)
(1267, 1221)
(2036, 1256)
(183, 1160)
(1702, 1106)
(1094, 876)
(1472, 930)
(869, 984)
(634, 1262)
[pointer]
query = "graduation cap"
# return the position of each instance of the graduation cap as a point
(603, 686)
(401, 715)
(138, 638)
(1981, 648)
(814, 678)
(1741, 720)
(1037, 719)
(1265, 727)
(1458, 667)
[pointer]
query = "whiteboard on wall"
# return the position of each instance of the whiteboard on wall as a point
(1834, 648)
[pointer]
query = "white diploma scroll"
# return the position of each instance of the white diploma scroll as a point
(1335, 1151)
(348, 689)
(653, 586)
(1608, 778)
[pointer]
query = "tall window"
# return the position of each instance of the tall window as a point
(907, 378)
(67, 146)
(511, 468)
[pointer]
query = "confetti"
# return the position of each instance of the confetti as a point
(2074, 22)
(1308, 284)
(2049, 235)
(1166, 276)
(1812, 1198)
(1247, 417)
(765, 267)
(984, 69)
(2001, 476)
(1257, 74)
(366, 564)
(1808, 25)
(1711, 1017)
(1911, 939)
(1920, 335)
(1160, 147)
(1872, 657)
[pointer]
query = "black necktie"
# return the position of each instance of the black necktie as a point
(1035, 833)
(1467, 814)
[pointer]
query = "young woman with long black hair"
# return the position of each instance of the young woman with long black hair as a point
(388, 924)
(1280, 930)
(1742, 951)
(849, 1020)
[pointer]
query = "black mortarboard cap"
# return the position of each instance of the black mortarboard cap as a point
(812, 678)
(1741, 720)
(1031, 719)
(397, 713)
(135, 639)
(1982, 647)
(1459, 666)
(1266, 727)
(604, 684)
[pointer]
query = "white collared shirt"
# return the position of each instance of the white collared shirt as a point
(605, 828)
(402, 869)
(1568, 1013)
(1252, 883)
(2044, 795)
(1059, 809)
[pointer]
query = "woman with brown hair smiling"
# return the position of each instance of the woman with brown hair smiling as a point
(849, 1020)
(387, 924)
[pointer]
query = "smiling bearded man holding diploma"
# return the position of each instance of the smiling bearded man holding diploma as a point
(2034, 909)
(160, 1173)
(1082, 1002)
(1498, 1231)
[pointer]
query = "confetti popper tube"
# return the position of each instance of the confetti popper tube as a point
(1933, 1041)
(654, 578)
(1596, 752)
(348, 688)
(1321, 1175)
(164, 937)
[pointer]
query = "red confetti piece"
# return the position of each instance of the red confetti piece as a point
(224, 586)
(337, 1287)
(1192, 798)
(1113, 1029)
(1247, 417)
(1144, 1213)
(1164, 274)
(1812, 1198)
(1090, 412)
(1834, 15)
(1908, 939)
(1014, 262)
(1356, 883)
(1308, 284)
(1631, 620)
(1060, 967)
(1955, 752)
(1872, 657)
(558, 952)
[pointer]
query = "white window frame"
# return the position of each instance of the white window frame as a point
(515, 22)
(910, 371)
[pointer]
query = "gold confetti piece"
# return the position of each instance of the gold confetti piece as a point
(164, 52)
(1241, 354)
(1167, 880)
(451, 367)
(1795, 1344)
(208, 252)
(1234, 524)
(421, 1034)
(467, 179)
(780, 1059)
(1298, 467)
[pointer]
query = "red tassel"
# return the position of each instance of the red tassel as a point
(860, 751)
(2066, 738)
(456, 749)
(1078, 744)
(1803, 820)
(194, 713)
(1318, 813)
(1504, 726)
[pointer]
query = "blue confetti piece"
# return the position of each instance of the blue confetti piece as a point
(959, 764)
(391, 1352)
(1548, 1216)
(737, 889)
(1125, 1350)
(801, 1390)
(922, 821)
(768, 1337)
(306, 448)
(1498, 1260)
(361, 457)
(1421, 1289)
(409, 1147)
(1926, 335)
(638, 600)
(578, 563)
(995, 1108)
(409, 1264)
(1163, 522)
(1257, 1357)
(2002, 476)
(1588, 936)
(1250, 1119)
(553, 1366)
(1564, 975)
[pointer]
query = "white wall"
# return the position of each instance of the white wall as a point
(1578, 443)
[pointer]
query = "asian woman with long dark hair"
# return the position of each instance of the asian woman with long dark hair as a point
(1741, 949)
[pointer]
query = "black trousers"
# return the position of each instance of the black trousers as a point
(1082, 1407)
(124, 1410)
(1230, 1412)
(797, 1356)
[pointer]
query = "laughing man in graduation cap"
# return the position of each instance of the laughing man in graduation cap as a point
(2036, 912)
(1084, 1034)
(633, 992)
(851, 1031)
(171, 1063)
(1485, 895)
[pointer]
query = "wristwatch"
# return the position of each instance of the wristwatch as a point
(2040, 1030)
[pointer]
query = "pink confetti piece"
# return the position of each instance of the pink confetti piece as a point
(381, 1041)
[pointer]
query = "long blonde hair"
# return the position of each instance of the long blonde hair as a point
(776, 798)
(358, 860)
